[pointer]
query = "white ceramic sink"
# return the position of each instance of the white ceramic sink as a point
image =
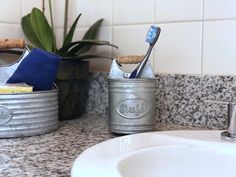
(163, 154)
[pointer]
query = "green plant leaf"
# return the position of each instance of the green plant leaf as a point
(29, 32)
(69, 36)
(78, 50)
(90, 34)
(73, 47)
(64, 50)
(93, 30)
(42, 29)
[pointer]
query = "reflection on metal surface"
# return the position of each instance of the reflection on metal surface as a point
(5, 115)
(133, 108)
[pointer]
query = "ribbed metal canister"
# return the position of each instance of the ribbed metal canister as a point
(28, 114)
(131, 105)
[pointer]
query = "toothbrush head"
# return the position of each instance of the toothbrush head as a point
(153, 35)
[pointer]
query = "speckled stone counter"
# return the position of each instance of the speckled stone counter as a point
(53, 154)
(180, 99)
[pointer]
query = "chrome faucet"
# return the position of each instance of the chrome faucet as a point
(230, 133)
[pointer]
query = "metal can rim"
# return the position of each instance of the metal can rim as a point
(132, 80)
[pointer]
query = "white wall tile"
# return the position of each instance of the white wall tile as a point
(178, 10)
(218, 9)
(28, 5)
(10, 31)
(131, 41)
(59, 37)
(10, 11)
(100, 64)
(91, 10)
(219, 53)
(179, 48)
(133, 12)
(57, 13)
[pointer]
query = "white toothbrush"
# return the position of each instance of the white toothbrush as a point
(151, 38)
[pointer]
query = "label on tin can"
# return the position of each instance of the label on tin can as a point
(133, 108)
(5, 115)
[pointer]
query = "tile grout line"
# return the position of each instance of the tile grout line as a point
(21, 8)
(112, 29)
(173, 22)
(140, 24)
(202, 36)
(21, 14)
(9, 23)
(154, 51)
(154, 11)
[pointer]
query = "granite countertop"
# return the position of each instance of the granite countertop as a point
(53, 154)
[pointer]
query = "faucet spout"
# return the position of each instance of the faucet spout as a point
(232, 118)
(230, 134)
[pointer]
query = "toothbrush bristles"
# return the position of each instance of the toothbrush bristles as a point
(153, 35)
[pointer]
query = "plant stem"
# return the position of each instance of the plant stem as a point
(51, 18)
(43, 7)
(65, 18)
(50, 9)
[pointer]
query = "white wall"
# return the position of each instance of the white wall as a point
(198, 36)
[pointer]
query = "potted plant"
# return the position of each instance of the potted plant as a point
(73, 71)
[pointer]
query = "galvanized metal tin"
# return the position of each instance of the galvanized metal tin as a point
(28, 114)
(131, 105)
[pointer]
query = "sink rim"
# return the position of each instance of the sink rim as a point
(109, 153)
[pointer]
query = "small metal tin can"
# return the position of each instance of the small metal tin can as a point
(28, 114)
(131, 105)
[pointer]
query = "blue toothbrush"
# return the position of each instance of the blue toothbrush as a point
(151, 38)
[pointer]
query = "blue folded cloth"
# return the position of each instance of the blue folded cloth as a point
(38, 69)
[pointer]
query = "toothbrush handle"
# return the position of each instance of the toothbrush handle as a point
(143, 63)
(137, 72)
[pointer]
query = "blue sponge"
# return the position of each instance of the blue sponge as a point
(38, 69)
